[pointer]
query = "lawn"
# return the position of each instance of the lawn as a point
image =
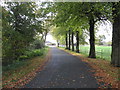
(103, 52)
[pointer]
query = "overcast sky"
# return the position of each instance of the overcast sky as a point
(106, 29)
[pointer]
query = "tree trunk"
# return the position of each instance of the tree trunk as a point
(77, 39)
(45, 36)
(92, 39)
(69, 41)
(57, 43)
(115, 57)
(66, 40)
(72, 37)
(42, 36)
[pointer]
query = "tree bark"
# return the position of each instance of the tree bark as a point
(92, 39)
(72, 37)
(66, 40)
(69, 41)
(77, 39)
(42, 37)
(57, 43)
(45, 36)
(115, 57)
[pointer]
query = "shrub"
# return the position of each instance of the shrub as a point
(23, 57)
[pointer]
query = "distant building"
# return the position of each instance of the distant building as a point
(48, 43)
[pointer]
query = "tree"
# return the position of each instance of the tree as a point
(13, 32)
(94, 14)
(59, 34)
(115, 57)
(92, 39)
(66, 39)
(77, 43)
(69, 19)
(85, 15)
(100, 39)
(72, 39)
(69, 40)
(20, 26)
(82, 15)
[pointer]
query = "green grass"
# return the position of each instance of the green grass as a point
(14, 72)
(103, 52)
(24, 59)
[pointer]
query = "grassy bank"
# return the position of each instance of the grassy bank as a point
(104, 71)
(23, 71)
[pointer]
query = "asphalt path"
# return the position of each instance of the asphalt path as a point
(64, 71)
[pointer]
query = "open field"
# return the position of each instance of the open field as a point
(103, 52)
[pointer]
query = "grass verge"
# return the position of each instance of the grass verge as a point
(103, 71)
(26, 70)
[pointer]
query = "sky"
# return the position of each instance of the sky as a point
(106, 29)
(103, 29)
(50, 38)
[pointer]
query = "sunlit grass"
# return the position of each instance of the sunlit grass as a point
(103, 52)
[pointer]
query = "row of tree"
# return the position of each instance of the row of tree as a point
(22, 25)
(81, 18)
(24, 22)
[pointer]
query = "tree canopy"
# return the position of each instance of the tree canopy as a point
(24, 22)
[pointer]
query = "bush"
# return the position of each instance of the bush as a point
(37, 44)
(38, 52)
(23, 57)
(32, 53)
(28, 54)
(14, 65)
